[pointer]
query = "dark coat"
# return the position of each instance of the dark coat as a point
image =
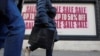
(45, 15)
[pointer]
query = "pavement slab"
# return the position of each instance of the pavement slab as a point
(41, 52)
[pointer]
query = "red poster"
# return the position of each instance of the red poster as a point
(71, 18)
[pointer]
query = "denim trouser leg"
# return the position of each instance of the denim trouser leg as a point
(13, 43)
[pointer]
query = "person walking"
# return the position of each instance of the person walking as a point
(45, 17)
(12, 28)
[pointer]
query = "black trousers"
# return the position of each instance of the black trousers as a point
(49, 52)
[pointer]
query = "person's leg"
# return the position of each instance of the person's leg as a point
(49, 52)
(3, 28)
(1, 44)
(13, 43)
(28, 49)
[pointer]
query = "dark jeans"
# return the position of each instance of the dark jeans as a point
(12, 30)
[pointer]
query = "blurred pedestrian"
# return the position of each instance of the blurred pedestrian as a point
(12, 28)
(45, 17)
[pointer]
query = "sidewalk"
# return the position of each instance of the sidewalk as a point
(41, 52)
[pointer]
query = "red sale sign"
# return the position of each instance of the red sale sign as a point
(71, 19)
(28, 13)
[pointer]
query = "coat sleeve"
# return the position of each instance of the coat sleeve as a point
(48, 4)
(42, 11)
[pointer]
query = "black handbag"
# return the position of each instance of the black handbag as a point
(33, 36)
(42, 37)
